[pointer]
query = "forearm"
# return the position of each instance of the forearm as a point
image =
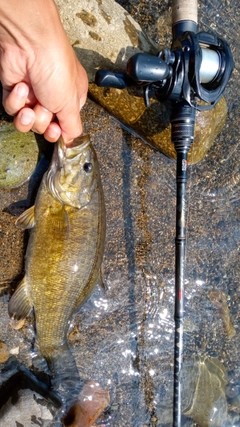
(30, 23)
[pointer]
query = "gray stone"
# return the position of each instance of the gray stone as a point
(103, 34)
(28, 411)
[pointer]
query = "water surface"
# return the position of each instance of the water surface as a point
(124, 337)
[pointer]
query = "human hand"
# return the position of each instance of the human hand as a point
(44, 85)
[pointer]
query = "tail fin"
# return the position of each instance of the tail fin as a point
(65, 376)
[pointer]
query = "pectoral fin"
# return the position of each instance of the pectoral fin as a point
(20, 305)
(27, 219)
(59, 220)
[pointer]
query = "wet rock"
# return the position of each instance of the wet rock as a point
(104, 35)
(93, 400)
(153, 124)
(206, 382)
(19, 154)
(25, 409)
(204, 393)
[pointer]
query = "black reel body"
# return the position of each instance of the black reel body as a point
(201, 69)
(198, 66)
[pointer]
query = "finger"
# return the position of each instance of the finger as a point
(17, 98)
(43, 118)
(53, 132)
(70, 124)
(24, 120)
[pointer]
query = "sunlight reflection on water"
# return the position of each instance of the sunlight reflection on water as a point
(123, 336)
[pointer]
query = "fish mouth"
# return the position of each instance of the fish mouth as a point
(78, 145)
(63, 156)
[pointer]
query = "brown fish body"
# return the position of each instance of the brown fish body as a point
(66, 272)
(65, 248)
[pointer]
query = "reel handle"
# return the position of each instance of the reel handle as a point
(106, 78)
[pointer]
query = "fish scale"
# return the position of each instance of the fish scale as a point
(64, 254)
(81, 236)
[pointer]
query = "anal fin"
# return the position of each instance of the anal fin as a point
(20, 305)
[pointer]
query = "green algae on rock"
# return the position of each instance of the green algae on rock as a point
(152, 124)
(19, 155)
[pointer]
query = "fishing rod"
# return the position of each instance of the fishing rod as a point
(196, 68)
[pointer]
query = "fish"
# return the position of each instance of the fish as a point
(63, 257)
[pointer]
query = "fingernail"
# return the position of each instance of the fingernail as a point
(52, 133)
(25, 119)
(22, 91)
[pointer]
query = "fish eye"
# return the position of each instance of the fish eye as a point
(87, 167)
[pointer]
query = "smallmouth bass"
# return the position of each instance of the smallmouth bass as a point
(64, 253)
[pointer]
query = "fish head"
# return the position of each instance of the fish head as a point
(73, 173)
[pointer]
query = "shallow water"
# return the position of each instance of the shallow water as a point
(123, 337)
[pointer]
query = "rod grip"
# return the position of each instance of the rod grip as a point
(184, 10)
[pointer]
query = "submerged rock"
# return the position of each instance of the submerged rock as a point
(203, 395)
(92, 401)
(207, 403)
(14, 413)
(105, 36)
(19, 154)
(153, 124)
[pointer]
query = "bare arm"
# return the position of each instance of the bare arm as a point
(44, 85)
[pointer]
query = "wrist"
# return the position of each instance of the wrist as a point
(29, 24)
